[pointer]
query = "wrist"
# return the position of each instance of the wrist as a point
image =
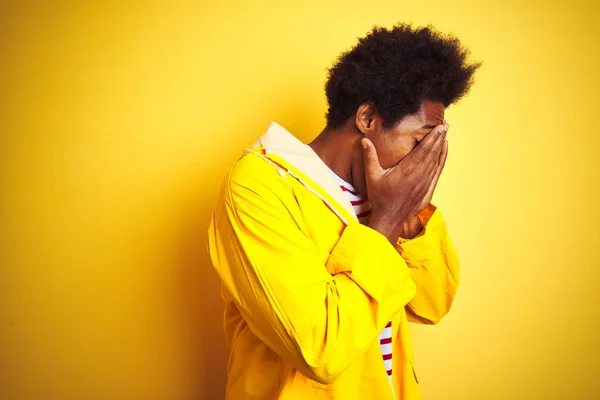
(388, 227)
(410, 227)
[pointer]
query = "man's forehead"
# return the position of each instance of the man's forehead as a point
(431, 113)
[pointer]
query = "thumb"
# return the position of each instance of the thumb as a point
(372, 166)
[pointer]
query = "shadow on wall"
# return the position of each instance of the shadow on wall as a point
(205, 351)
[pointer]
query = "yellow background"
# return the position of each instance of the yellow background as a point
(118, 123)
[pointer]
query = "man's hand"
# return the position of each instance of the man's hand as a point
(398, 194)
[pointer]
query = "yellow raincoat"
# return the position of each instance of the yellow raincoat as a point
(308, 289)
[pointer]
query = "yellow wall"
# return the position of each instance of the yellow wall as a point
(119, 122)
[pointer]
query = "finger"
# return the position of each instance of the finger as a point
(436, 166)
(430, 143)
(432, 159)
(372, 166)
(438, 171)
(443, 154)
(437, 149)
(440, 167)
(439, 143)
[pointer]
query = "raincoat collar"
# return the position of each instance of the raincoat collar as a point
(279, 142)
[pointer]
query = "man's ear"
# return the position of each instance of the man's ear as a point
(367, 119)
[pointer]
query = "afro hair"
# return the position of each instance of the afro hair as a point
(396, 70)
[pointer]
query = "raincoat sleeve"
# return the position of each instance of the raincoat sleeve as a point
(316, 320)
(434, 267)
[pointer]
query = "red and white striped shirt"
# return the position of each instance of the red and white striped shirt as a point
(362, 208)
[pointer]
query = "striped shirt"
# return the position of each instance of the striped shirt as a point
(362, 208)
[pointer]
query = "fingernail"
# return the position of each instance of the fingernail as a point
(364, 144)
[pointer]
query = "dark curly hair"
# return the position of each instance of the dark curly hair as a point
(396, 70)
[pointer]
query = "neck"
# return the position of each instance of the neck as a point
(337, 149)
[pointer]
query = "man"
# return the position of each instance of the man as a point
(318, 281)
